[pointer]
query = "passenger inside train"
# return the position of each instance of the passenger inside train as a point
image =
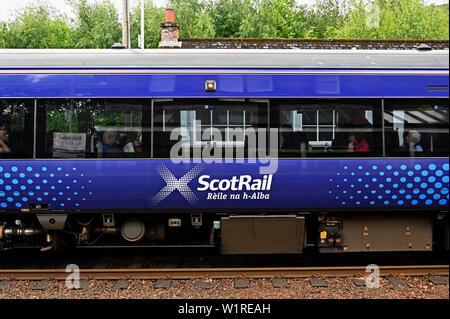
(357, 143)
(412, 141)
(110, 143)
(4, 139)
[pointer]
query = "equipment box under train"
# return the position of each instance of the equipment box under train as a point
(263, 234)
(394, 233)
(375, 233)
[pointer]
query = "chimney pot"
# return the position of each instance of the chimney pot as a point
(169, 31)
(170, 15)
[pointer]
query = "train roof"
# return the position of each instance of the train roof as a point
(221, 58)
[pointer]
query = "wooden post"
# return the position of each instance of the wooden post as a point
(125, 25)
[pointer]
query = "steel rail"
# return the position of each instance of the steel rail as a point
(221, 273)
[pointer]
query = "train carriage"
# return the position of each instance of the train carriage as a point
(250, 151)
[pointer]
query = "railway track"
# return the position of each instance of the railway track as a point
(222, 273)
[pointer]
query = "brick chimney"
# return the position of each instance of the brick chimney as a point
(169, 31)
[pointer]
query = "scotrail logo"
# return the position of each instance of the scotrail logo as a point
(174, 184)
(240, 187)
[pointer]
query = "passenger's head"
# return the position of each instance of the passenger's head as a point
(352, 138)
(109, 138)
(357, 133)
(4, 135)
(413, 137)
(355, 138)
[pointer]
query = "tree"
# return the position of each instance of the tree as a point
(227, 16)
(262, 18)
(263, 22)
(4, 35)
(293, 18)
(36, 27)
(193, 18)
(444, 7)
(325, 17)
(203, 27)
(97, 24)
(395, 19)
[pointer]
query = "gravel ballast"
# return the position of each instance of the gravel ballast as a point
(298, 288)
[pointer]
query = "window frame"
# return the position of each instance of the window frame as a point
(193, 103)
(377, 129)
(148, 105)
(28, 132)
(41, 129)
(389, 103)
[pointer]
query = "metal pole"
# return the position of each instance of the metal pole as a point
(125, 25)
(142, 42)
(129, 27)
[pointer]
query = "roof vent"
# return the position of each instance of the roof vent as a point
(118, 46)
(424, 47)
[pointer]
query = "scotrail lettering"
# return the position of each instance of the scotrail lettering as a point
(243, 187)
(243, 182)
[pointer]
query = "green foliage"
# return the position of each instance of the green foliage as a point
(395, 19)
(262, 22)
(97, 24)
(293, 18)
(203, 26)
(228, 15)
(193, 18)
(5, 35)
(63, 118)
(326, 17)
(444, 7)
(57, 121)
(36, 27)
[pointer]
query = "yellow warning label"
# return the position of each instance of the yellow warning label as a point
(323, 235)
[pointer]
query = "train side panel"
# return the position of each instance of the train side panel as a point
(157, 185)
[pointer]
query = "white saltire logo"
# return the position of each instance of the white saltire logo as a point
(172, 184)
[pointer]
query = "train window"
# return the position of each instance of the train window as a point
(327, 128)
(416, 128)
(221, 128)
(93, 128)
(16, 128)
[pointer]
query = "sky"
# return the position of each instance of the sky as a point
(7, 7)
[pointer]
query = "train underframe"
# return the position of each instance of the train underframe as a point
(232, 234)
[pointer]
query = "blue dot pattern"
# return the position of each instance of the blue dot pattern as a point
(397, 184)
(59, 186)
